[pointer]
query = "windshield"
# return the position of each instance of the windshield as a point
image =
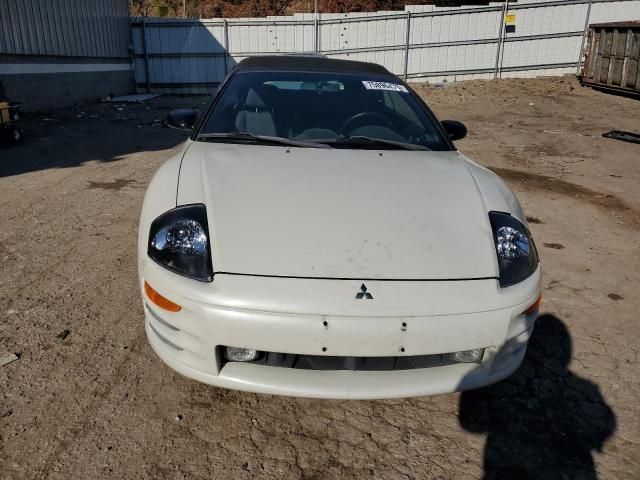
(336, 109)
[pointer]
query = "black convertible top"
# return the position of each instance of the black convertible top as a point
(309, 63)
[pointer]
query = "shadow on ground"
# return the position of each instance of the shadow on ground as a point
(96, 132)
(543, 421)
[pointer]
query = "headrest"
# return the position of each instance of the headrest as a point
(253, 100)
(260, 98)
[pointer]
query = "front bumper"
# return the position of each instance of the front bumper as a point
(187, 340)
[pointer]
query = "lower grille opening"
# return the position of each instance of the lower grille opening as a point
(327, 362)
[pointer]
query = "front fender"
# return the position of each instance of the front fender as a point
(496, 195)
(161, 195)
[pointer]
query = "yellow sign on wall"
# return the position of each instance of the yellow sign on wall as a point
(510, 18)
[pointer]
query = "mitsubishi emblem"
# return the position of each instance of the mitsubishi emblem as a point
(363, 293)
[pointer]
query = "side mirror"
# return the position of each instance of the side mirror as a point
(182, 119)
(455, 129)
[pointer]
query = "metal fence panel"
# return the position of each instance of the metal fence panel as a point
(423, 42)
(364, 34)
(615, 12)
(261, 38)
(546, 36)
(89, 28)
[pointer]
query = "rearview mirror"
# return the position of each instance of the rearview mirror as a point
(182, 119)
(456, 130)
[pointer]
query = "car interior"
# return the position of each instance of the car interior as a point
(320, 110)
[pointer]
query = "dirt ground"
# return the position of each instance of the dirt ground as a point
(89, 399)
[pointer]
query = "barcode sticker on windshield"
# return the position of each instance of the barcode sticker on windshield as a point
(384, 86)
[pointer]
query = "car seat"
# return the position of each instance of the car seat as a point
(257, 115)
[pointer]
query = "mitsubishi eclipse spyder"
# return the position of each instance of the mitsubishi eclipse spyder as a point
(319, 235)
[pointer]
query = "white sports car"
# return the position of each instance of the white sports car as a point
(319, 235)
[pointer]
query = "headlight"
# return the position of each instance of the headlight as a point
(517, 255)
(179, 241)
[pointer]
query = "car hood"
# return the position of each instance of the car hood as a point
(338, 213)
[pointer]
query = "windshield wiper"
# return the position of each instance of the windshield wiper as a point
(264, 139)
(363, 140)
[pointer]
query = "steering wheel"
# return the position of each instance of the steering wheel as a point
(348, 126)
(413, 133)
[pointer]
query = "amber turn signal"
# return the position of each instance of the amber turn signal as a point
(159, 300)
(535, 307)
